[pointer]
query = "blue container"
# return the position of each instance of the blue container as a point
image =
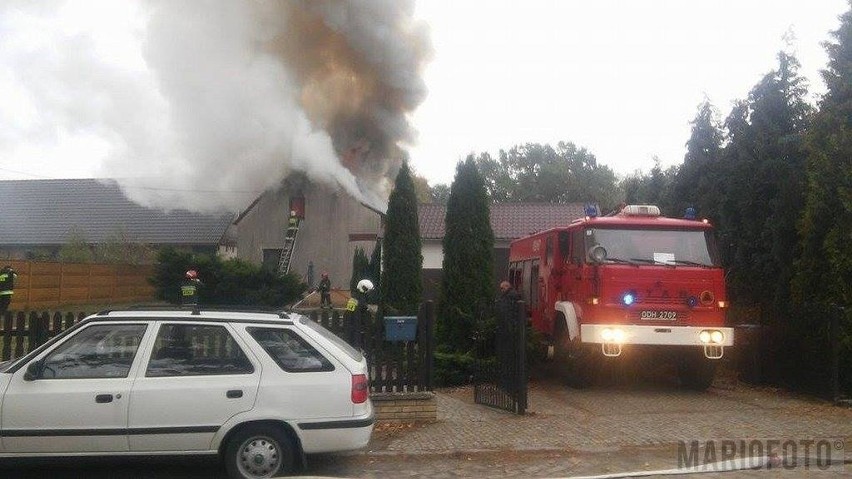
(400, 328)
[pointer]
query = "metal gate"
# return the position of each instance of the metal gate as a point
(500, 374)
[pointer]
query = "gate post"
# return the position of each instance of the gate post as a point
(426, 346)
(521, 348)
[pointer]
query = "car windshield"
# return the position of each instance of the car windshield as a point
(655, 246)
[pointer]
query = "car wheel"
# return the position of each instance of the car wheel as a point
(259, 452)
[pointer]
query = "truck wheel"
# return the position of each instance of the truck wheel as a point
(584, 371)
(259, 452)
(573, 361)
(696, 372)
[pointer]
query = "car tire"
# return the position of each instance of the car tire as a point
(259, 452)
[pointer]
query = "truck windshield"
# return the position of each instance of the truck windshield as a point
(662, 246)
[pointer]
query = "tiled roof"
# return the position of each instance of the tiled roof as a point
(43, 212)
(508, 220)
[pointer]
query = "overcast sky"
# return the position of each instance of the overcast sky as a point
(621, 78)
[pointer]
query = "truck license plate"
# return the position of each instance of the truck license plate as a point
(659, 315)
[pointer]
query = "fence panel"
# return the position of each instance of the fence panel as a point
(400, 366)
(42, 285)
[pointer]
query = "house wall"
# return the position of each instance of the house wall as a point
(433, 258)
(324, 235)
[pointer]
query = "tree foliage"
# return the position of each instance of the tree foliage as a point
(76, 249)
(764, 188)
(403, 259)
(360, 268)
(825, 267)
(543, 173)
(468, 280)
(651, 189)
(230, 282)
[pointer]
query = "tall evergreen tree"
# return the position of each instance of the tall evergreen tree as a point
(824, 272)
(360, 268)
(468, 280)
(403, 258)
(764, 162)
(698, 181)
(374, 272)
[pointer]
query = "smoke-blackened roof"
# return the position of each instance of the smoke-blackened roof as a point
(508, 220)
(44, 212)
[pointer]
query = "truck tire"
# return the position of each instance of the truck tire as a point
(574, 361)
(696, 372)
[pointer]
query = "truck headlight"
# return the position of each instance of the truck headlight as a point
(613, 335)
(717, 337)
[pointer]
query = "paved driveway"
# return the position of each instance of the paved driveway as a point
(568, 432)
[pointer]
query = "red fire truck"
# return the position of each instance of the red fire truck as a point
(624, 285)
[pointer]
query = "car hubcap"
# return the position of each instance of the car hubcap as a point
(259, 457)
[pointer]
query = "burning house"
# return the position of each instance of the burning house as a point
(330, 224)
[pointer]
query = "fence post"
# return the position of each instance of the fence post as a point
(426, 348)
(521, 368)
(834, 332)
(7, 337)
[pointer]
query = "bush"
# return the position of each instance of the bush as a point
(230, 282)
(453, 369)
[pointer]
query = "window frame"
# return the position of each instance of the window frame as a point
(237, 341)
(141, 346)
(328, 366)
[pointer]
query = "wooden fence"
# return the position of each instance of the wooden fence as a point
(46, 284)
(24, 332)
(395, 367)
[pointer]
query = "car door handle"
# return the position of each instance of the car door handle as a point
(103, 398)
(234, 393)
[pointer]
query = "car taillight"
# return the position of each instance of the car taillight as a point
(360, 388)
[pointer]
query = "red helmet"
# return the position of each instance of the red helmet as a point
(192, 274)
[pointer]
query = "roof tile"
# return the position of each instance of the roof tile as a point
(36, 212)
(508, 220)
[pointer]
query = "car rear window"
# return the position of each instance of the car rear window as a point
(343, 345)
(289, 350)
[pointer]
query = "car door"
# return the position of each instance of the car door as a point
(195, 378)
(74, 397)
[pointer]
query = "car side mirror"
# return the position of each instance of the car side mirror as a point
(34, 371)
(598, 253)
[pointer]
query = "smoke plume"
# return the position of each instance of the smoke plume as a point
(205, 104)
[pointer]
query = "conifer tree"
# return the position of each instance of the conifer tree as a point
(468, 281)
(403, 258)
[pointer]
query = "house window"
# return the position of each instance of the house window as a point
(271, 257)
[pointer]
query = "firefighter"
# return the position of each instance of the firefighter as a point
(189, 288)
(7, 287)
(508, 293)
(325, 291)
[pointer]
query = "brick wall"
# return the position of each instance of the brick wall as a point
(405, 407)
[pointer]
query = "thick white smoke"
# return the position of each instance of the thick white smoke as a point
(204, 104)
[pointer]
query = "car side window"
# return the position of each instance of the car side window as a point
(290, 351)
(98, 351)
(196, 350)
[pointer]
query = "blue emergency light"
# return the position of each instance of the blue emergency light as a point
(591, 210)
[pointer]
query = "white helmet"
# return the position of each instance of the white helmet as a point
(365, 285)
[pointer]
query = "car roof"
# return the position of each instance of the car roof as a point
(235, 315)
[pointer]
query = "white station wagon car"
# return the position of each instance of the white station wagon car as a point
(258, 389)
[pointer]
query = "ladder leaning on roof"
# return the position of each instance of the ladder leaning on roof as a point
(289, 244)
